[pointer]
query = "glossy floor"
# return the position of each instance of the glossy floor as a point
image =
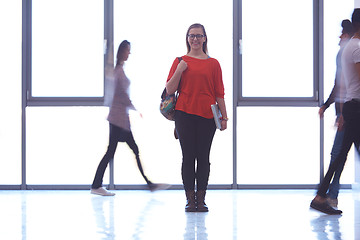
(234, 214)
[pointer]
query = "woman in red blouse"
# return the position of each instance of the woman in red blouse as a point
(201, 86)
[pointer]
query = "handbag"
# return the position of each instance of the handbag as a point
(168, 103)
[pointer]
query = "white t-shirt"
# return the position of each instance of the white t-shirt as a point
(351, 56)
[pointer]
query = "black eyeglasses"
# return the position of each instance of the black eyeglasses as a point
(197, 36)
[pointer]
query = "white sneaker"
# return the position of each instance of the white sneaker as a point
(102, 191)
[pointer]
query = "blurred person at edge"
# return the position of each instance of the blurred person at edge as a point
(337, 96)
(350, 63)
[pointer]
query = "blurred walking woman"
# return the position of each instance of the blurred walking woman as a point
(198, 79)
(118, 118)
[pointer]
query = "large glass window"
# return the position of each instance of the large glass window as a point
(67, 58)
(65, 144)
(277, 49)
(277, 68)
(67, 48)
(275, 145)
(155, 42)
(10, 97)
(278, 145)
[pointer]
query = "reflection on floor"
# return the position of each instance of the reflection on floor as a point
(234, 214)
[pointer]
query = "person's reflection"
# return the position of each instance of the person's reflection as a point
(357, 215)
(23, 216)
(143, 214)
(326, 227)
(195, 226)
(105, 224)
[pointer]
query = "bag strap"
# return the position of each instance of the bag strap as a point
(164, 93)
(179, 58)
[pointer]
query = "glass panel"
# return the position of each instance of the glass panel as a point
(277, 48)
(65, 144)
(278, 145)
(10, 97)
(155, 43)
(67, 48)
(334, 13)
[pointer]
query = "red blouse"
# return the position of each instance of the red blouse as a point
(201, 83)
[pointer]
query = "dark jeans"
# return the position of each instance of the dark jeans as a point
(335, 184)
(351, 114)
(117, 134)
(195, 134)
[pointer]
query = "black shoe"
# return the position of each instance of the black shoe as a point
(325, 208)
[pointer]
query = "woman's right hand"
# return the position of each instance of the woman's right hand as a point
(182, 66)
(321, 111)
(340, 123)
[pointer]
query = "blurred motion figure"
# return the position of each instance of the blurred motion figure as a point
(119, 101)
(337, 96)
(350, 63)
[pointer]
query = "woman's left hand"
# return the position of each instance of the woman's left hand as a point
(223, 125)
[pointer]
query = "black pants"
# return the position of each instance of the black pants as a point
(351, 114)
(117, 134)
(195, 134)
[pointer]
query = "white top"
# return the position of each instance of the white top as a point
(351, 56)
(339, 78)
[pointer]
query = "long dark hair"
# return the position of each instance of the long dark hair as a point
(347, 27)
(355, 19)
(123, 45)
(197, 25)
